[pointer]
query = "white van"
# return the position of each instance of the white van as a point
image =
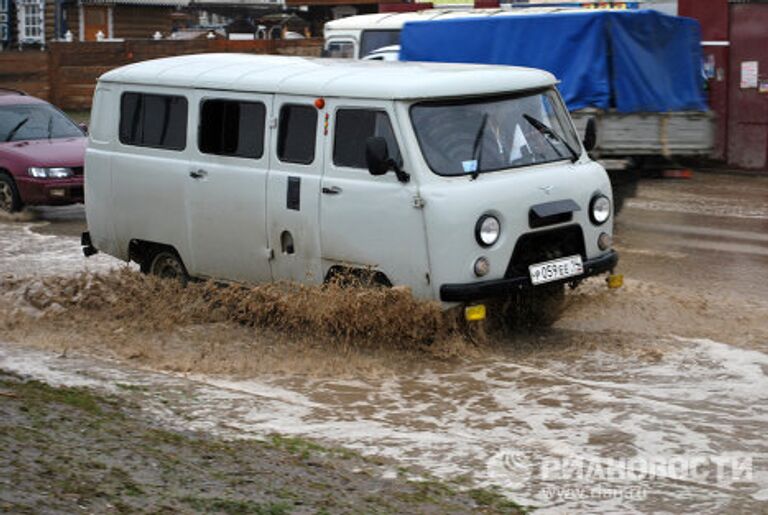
(462, 182)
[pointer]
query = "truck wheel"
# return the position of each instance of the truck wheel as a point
(168, 265)
(10, 201)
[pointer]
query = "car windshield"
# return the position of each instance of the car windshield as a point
(35, 121)
(490, 134)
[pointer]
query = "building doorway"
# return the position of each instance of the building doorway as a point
(95, 19)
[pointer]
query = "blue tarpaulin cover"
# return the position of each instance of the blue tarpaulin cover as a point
(632, 61)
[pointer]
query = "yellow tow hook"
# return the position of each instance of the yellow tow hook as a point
(615, 281)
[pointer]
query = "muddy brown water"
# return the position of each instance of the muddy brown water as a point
(652, 398)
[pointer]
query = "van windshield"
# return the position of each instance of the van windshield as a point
(473, 136)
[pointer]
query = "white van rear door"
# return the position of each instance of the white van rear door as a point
(227, 186)
(150, 166)
(293, 188)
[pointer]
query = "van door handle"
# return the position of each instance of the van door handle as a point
(198, 174)
(333, 190)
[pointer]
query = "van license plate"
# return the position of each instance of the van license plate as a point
(562, 268)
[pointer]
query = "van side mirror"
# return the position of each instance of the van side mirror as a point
(590, 135)
(377, 155)
(83, 127)
(379, 161)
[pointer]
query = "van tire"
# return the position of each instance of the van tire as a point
(10, 200)
(532, 309)
(167, 264)
(546, 305)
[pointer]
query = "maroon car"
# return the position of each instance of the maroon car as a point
(41, 154)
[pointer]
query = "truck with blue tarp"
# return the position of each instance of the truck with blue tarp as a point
(636, 73)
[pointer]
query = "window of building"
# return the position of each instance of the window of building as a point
(5, 32)
(158, 121)
(232, 128)
(297, 133)
(353, 128)
(31, 21)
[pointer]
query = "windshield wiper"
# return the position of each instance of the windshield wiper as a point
(477, 148)
(549, 133)
(16, 129)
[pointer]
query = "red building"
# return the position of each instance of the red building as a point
(735, 35)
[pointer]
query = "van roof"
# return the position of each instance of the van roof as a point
(329, 77)
(393, 21)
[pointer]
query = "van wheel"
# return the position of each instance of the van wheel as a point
(546, 304)
(10, 201)
(531, 309)
(167, 264)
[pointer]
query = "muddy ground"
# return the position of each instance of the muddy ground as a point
(68, 450)
(672, 369)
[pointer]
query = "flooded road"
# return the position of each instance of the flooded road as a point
(652, 398)
(708, 234)
(46, 242)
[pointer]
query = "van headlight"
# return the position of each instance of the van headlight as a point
(39, 172)
(599, 209)
(487, 230)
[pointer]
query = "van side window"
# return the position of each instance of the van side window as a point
(232, 128)
(353, 128)
(297, 133)
(148, 120)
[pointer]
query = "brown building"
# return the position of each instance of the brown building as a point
(121, 19)
(35, 23)
(318, 12)
(736, 56)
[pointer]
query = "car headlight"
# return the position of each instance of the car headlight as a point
(40, 172)
(599, 209)
(487, 230)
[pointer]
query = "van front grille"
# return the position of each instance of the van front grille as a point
(536, 247)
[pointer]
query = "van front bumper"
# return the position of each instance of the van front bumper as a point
(469, 292)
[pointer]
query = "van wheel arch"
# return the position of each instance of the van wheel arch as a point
(146, 254)
(354, 276)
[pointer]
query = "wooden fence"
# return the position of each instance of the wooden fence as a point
(66, 73)
(27, 71)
